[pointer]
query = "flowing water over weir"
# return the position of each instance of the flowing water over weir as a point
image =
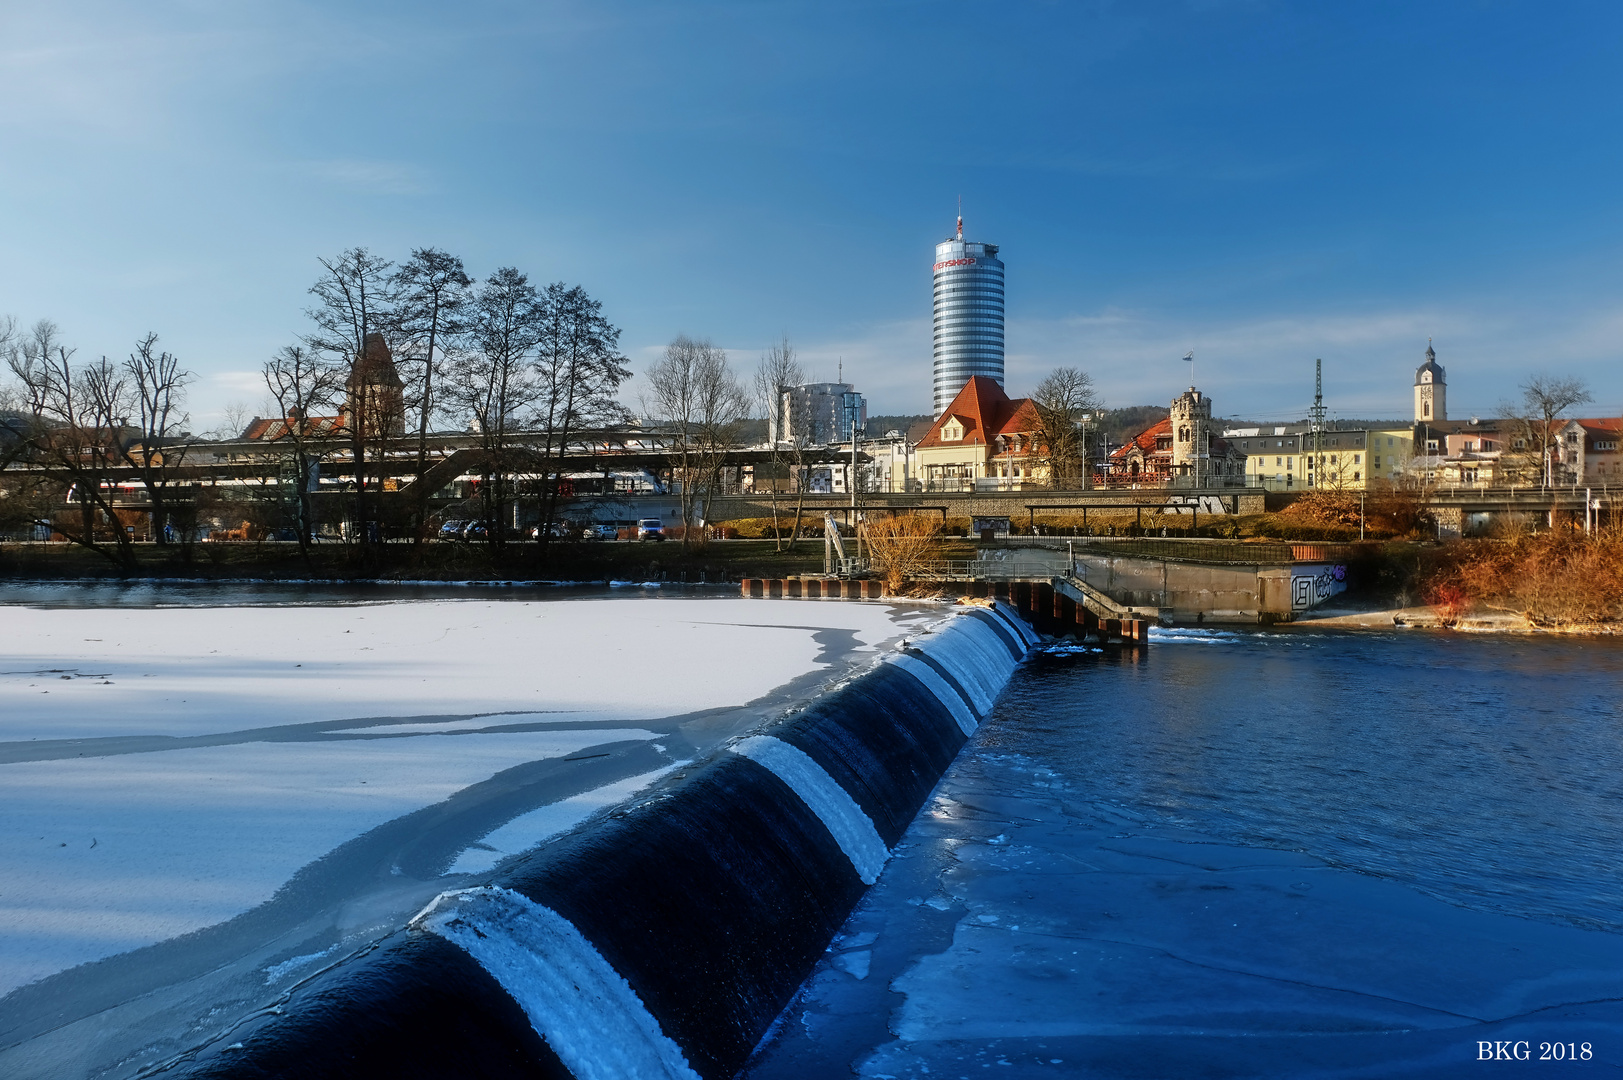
(664, 940)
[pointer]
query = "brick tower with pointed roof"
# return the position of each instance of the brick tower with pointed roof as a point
(374, 393)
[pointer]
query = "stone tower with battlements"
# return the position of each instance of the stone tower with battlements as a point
(1191, 431)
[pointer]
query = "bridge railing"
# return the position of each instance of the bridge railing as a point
(991, 569)
(1194, 549)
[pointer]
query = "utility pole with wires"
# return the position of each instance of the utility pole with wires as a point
(1317, 414)
(1190, 357)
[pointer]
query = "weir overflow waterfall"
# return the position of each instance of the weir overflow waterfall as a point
(663, 940)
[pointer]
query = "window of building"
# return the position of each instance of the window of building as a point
(1358, 459)
(1355, 476)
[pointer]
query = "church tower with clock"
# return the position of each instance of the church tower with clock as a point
(1430, 390)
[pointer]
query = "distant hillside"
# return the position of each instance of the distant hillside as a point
(914, 426)
(1122, 424)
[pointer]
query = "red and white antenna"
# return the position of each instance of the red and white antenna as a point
(960, 217)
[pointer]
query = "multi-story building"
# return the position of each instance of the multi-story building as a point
(1273, 458)
(1390, 451)
(983, 440)
(1282, 458)
(1589, 452)
(818, 414)
(968, 315)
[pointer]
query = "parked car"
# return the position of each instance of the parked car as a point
(650, 529)
(476, 530)
(452, 530)
(600, 532)
(561, 530)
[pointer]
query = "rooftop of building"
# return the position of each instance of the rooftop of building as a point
(985, 412)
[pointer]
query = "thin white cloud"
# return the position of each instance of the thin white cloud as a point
(1259, 367)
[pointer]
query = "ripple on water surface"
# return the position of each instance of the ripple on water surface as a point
(1487, 771)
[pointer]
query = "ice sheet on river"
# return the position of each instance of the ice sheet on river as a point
(258, 786)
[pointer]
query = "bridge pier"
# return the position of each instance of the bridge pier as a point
(1042, 608)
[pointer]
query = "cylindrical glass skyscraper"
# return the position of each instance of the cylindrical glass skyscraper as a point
(968, 315)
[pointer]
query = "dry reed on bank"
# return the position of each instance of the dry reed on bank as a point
(1553, 579)
(902, 548)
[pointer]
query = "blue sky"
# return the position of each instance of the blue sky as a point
(1264, 183)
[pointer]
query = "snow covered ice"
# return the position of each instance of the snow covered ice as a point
(254, 791)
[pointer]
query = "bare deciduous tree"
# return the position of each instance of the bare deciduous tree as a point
(694, 395)
(1537, 419)
(1062, 399)
(354, 302)
(493, 383)
(302, 383)
(778, 370)
(68, 432)
(432, 295)
(579, 370)
(903, 548)
(234, 420)
(156, 385)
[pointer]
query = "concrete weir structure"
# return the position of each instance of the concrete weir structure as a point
(663, 940)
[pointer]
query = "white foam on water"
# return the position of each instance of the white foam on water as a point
(989, 644)
(1184, 635)
(590, 1016)
(972, 652)
(961, 668)
(1027, 634)
(940, 688)
(852, 829)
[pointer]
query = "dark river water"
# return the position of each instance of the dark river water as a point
(1484, 770)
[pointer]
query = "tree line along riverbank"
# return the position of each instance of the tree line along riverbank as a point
(1561, 579)
(718, 561)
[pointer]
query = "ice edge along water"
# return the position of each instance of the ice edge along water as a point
(585, 1010)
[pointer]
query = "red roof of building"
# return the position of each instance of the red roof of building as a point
(1146, 440)
(279, 428)
(985, 412)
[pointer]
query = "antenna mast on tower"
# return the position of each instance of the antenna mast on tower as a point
(1318, 423)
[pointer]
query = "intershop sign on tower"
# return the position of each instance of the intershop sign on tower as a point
(953, 262)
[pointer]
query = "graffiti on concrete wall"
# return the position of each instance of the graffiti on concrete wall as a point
(1190, 504)
(1313, 585)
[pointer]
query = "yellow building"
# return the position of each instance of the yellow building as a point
(983, 441)
(1282, 458)
(1390, 451)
